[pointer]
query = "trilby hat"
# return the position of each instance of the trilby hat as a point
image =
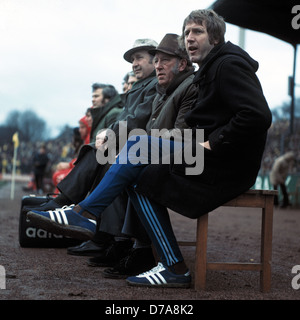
(170, 45)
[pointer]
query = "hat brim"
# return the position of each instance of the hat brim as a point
(129, 53)
(154, 51)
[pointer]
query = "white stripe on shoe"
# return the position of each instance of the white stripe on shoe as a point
(150, 280)
(153, 275)
(162, 278)
(51, 215)
(64, 217)
(57, 213)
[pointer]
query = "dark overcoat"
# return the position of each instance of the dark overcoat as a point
(105, 116)
(235, 116)
(136, 111)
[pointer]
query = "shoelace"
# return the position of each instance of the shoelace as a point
(156, 269)
(66, 207)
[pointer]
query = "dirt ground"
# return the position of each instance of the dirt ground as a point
(52, 274)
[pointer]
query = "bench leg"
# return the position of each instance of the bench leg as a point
(201, 247)
(266, 245)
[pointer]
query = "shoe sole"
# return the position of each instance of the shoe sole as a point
(167, 285)
(64, 230)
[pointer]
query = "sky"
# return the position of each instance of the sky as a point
(52, 51)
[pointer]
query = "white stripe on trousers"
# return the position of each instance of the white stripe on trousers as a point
(157, 229)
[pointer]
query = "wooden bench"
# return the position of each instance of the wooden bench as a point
(263, 199)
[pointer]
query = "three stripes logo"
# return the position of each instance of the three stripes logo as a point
(155, 277)
(59, 216)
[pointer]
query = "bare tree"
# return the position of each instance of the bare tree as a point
(28, 124)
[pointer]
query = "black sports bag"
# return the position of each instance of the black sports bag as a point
(31, 236)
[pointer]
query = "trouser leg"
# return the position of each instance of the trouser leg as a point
(117, 178)
(112, 218)
(39, 181)
(133, 226)
(125, 170)
(285, 195)
(276, 196)
(156, 221)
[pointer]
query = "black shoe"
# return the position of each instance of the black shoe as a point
(45, 206)
(138, 261)
(88, 248)
(112, 255)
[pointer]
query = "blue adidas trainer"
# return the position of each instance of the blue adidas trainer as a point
(160, 276)
(64, 221)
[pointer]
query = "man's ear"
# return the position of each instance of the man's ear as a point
(182, 65)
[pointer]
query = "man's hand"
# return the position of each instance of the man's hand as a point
(205, 145)
(101, 140)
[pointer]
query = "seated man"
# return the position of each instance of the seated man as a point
(234, 114)
(175, 96)
(87, 171)
(107, 106)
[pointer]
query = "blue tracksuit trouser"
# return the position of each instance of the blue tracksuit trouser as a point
(122, 175)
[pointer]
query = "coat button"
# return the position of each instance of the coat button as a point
(221, 137)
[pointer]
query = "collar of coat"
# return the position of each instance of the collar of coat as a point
(178, 79)
(223, 50)
(143, 82)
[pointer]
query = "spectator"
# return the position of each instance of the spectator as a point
(40, 161)
(89, 117)
(85, 130)
(64, 168)
(107, 105)
(131, 80)
(278, 175)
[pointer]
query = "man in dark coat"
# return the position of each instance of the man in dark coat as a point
(107, 106)
(40, 161)
(234, 114)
